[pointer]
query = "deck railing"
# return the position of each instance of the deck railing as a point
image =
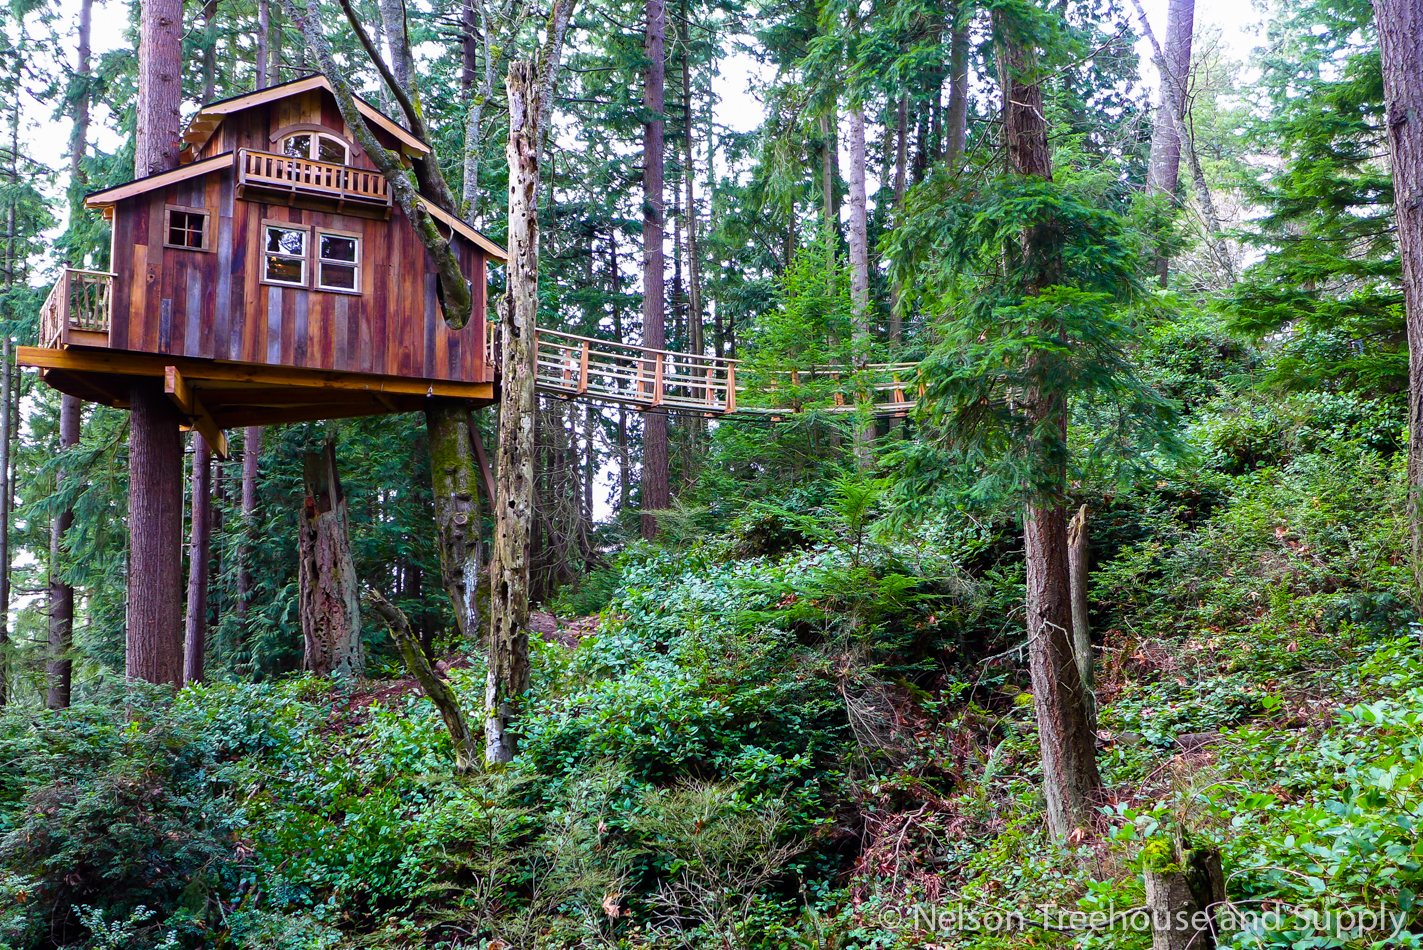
(883, 388)
(286, 173)
(81, 300)
(572, 365)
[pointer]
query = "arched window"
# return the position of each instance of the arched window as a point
(317, 146)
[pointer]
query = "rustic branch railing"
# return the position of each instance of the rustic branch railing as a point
(571, 365)
(80, 300)
(286, 173)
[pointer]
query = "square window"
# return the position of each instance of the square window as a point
(286, 256)
(330, 150)
(187, 229)
(338, 262)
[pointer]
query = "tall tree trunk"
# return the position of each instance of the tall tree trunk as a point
(61, 594)
(1079, 555)
(264, 27)
(656, 478)
(155, 576)
(829, 174)
(6, 489)
(397, 40)
(329, 596)
(454, 470)
(957, 116)
(860, 273)
(1070, 775)
(901, 159)
(209, 51)
(695, 318)
(251, 452)
(614, 296)
(1164, 165)
(199, 552)
(508, 675)
(274, 47)
(155, 564)
(160, 90)
(1400, 26)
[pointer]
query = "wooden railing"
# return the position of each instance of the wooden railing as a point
(885, 388)
(285, 173)
(81, 300)
(571, 365)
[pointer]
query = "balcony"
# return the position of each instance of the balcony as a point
(321, 185)
(78, 310)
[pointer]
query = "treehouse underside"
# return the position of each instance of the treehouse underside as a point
(219, 394)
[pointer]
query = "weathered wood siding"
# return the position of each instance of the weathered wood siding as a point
(212, 303)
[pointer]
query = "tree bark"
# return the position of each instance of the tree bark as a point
(83, 71)
(6, 489)
(251, 452)
(454, 471)
(1070, 775)
(1400, 26)
(957, 116)
(1164, 165)
(209, 50)
(199, 551)
(329, 598)
(61, 594)
(858, 240)
(439, 691)
(1078, 560)
(656, 477)
(397, 40)
(508, 676)
(155, 565)
(829, 174)
(1182, 892)
(274, 47)
(264, 26)
(160, 90)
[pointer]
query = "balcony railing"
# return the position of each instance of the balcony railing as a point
(300, 176)
(78, 309)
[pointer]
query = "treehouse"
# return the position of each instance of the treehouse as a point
(270, 278)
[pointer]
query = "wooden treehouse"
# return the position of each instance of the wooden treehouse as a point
(269, 278)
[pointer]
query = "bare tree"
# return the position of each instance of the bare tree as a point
(199, 551)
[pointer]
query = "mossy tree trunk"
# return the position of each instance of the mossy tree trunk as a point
(454, 473)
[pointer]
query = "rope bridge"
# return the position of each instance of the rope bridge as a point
(572, 366)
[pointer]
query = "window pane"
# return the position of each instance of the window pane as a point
(286, 269)
(176, 234)
(298, 145)
(338, 276)
(331, 150)
(335, 248)
(286, 241)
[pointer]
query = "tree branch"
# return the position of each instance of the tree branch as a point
(436, 688)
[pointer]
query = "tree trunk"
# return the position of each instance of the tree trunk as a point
(860, 275)
(1068, 755)
(274, 47)
(79, 136)
(1400, 26)
(439, 691)
(155, 564)
(264, 26)
(397, 40)
(829, 175)
(329, 598)
(6, 490)
(1078, 558)
(1164, 165)
(160, 90)
(61, 594)
(454, 470)
(199, 551)
(509, 567)
(251, 452)
(957, 117)
(209, 51)
(1182, 891)
(656, 478)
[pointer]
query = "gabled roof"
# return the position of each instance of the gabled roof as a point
(210, 117)
(111, 196)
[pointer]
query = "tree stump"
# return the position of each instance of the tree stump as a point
(1183, 887)
(329, 598)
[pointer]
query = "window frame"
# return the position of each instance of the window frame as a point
(318, 260)
(305, 257)
(168, 210)
(316, 136)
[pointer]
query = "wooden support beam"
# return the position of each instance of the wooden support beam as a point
(120, 363)
(189, 405)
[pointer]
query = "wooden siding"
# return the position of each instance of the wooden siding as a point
(213, 305)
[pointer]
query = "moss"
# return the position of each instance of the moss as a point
(1159, 855)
